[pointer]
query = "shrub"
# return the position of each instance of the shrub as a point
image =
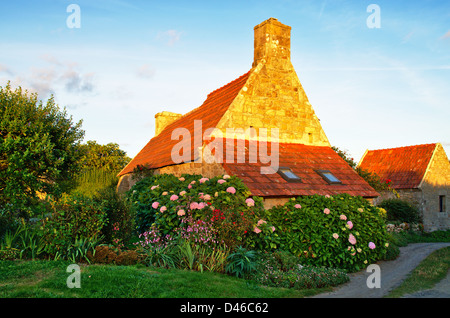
(164, 201)
(392, 252)
(76, 217)
(118, 214)
(282, 269)
(400, 210)
(339, 232)
(105, 254)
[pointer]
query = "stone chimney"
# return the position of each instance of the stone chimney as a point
(163, 119)
(272, 43)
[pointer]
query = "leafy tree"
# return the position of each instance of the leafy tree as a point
(109, 157)
(371, 178)
(38, 146)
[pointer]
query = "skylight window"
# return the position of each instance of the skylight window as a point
(288, 175)
(329, 177)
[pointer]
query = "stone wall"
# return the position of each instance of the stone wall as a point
(271, 202)
(436, 183)
(163, 119)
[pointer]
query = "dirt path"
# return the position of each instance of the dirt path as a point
(392, 275)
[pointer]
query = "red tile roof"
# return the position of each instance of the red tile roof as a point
(303, 161)
(404, 166)
(157, 152)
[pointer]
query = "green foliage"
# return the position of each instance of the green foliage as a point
(241, 262)
(38, 147)
(339, 232)
(118, 213)
(164, 201)
(92, 180)
(392, 252)
(107, 157)
(371, 178)
(76, 217)
(282, 269)
(25, 242)
(400, 210)
(81, 249)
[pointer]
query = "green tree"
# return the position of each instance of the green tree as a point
(39, 147)
(109, 157)
(371, 178)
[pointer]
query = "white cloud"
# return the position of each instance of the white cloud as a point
(171, 36)
(145, 71)
(5, 69)
(53, 75)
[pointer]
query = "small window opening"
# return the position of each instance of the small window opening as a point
(288, 175)
(329, 177)
(442, 203)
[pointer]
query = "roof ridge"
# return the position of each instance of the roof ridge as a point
(392, 148)
(228, 84)
(207, 97)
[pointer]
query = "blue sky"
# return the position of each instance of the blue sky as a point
(371, 87)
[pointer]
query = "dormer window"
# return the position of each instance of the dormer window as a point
(288, 175)
(329, 177)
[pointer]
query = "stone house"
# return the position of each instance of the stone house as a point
(229, 133)
(420, 174)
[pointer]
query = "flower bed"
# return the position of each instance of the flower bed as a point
(340, 231)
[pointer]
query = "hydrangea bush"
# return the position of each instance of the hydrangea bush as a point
(188, 203)
(338, 231)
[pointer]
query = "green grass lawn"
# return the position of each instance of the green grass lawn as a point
(47, 279)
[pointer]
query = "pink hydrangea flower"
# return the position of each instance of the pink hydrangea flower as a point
(181, 212)
(155, 205)
(335, 235)
(207, 197)
(202, 180)
(193, 205)
(326, 211)
(371, 245)
(154, 187)
(221, 181)
(250, 202)
(273, 228)
(343, 217)
(173, 197)
(231, 190)
(350, 224)
(256, 230)
(226, 176)
(297, 206)
(163, 208)
(201, 205)
(181, 179)
(352, 239)
(261, 222)
(189, 186)
(182, 193)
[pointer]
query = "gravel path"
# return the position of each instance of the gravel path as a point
(392, 275)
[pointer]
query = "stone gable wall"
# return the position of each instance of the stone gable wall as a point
(436, 183)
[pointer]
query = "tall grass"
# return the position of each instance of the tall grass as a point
(92, 180)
